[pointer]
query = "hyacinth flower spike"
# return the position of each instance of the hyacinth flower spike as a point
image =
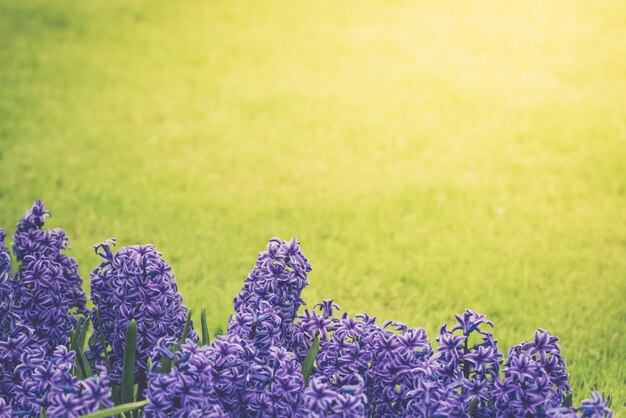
(134, 283)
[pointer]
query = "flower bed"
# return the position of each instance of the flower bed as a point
(145, 356)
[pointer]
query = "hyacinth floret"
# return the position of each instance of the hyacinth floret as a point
(134, 283)
(335, 397)
(432, 398)
(29, 239)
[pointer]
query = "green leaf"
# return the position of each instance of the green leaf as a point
(567, 401)
(74, 334)
(116, 410)
(307, 363)
(205, 328)
(104, 343)
(42, 413)
(78, 345)
(142, 383)
(82, 336)
(183, 337)
(128, 368)
(115, 393)
(74, 343)
(70, 339)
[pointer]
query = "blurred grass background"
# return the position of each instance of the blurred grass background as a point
(430, 156)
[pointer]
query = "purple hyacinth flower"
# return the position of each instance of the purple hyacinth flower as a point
(30, 239)
(134, 283)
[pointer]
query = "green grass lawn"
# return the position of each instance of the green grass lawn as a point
(430, 156)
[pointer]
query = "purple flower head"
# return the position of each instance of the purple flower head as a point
(40, 300)
(278, 278)
(30, 239)
(134, 283)
(389, 359)
(34, 218)
(468, 354)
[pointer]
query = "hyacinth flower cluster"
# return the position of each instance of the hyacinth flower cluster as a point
(31, 239)
(134, 283)
(469, 360)
(265, 311)
(46, 286)
(268, 304)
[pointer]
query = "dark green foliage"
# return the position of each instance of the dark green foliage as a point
(205, 337)
(128, 370)
(307, 363)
